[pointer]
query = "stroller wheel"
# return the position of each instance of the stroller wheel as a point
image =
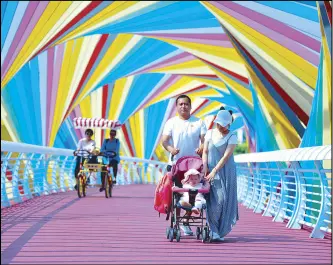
(171, 234)
(198, 233)
(205, 235)
(168, 232)
(178, 235)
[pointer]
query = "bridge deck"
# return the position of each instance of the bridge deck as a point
(61, 228)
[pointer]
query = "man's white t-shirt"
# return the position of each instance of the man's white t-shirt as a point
(84, 144)
(185, 135)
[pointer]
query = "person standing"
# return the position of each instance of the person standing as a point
(222, 204)
(183, 135)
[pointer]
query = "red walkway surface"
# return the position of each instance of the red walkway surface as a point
(61, 228)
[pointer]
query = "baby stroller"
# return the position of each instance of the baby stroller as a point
(202, 229)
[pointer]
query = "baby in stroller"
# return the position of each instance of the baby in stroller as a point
(192, 181)
(188, 194)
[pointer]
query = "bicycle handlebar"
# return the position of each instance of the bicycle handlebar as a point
(108, 154)
(85, 153)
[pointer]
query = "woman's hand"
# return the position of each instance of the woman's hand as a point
(211, 175)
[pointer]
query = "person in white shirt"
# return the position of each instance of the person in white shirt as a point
(87, 144)
(192, 181)
(183, 135)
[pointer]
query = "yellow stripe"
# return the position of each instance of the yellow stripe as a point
(226, 53)
(135, 128)
(218, 84)
(213, 105)
(118, 92)
(113, 51)
(291, 61)
(206, 92)
(285, 133)
(240, 90)
(184, 65)
(105, 13)
(50, 16)
(85, 106)
(72, 52)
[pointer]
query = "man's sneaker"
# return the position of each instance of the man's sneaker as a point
(101, 189)
(114, 182)
(187, 230)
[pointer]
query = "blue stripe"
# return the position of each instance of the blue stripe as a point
(293, 8)
(35, 91)
(289, 113)
(265, 139)
(153, 115)
(180, 15)
(3, 9)
(145, 52)
(7, 20)
(313, 135)
(140, 88)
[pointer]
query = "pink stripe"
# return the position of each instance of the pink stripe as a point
(33, 21)
(77, 113)
(18, 35)
(272, 33)
(49, 65)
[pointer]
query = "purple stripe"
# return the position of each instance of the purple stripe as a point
(49, 65)
(55, 80)
(273, 24)
(76, 113)
(275, 36)
(33, 21)
(19, 33)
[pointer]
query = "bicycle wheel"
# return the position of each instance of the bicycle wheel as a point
(108, 186)
(84, 185)
(79, 186)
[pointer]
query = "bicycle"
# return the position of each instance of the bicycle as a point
(82, 177)
(109, 175)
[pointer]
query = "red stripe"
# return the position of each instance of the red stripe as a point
(211, 123)
(329, 11)
(203, 103)
(92, 61)
(127, 140)
(290, 102)
(193, 89)
(83, 13)
(237, 76)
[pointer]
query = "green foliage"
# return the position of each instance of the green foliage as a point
(241, 149)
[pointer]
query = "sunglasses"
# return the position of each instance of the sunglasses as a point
(112, 134)
(89, 134)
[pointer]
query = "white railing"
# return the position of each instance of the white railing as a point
(291, 185)
(29, 170)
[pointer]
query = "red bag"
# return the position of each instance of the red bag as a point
(163, 195)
